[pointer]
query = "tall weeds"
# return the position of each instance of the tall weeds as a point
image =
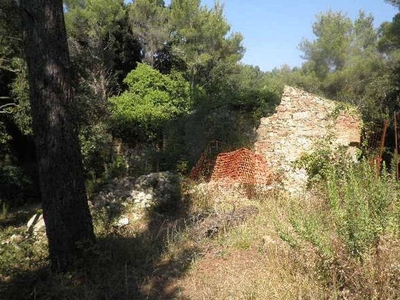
(354, 230)
(364, 207)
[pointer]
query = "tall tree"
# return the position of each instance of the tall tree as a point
(202, 38)
(389, 45)
(345, 59)
(150, 27)
(328, 52)
(102, 48)
(65, 208)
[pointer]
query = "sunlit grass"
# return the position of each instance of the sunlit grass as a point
(289, 248)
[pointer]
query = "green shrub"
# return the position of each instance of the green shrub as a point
(323, 161)
(349, 229)
(152, 100)
(97, 150)
(14, 183)
(364, 206)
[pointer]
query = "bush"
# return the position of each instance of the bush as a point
(351, 230)
(364, 207)
(15, 184)
(152, 100)
(97, 150)
(323, 161)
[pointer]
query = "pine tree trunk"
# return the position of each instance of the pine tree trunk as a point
(65, 208)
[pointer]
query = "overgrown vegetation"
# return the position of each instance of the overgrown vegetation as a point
(155, 84)
(352, 227)
(342, 242)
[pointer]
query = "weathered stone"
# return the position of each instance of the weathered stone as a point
(301, 115)
(301, 122)
(123, 222)
(143, 192)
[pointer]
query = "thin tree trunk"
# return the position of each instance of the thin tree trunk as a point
(65, 208)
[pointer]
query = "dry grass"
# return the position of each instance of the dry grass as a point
(176, 257)
(250, 261)
(264, 271)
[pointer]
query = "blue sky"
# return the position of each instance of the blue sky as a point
(272, 30)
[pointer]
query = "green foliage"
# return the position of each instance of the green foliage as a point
(17, 256)
(317, 164)
(310, 226)
(21, 113)
(149, 21)
(345, 61)
(13, 181)
(13, 81)
(243, 88)
(389, 45)
(394, 2)
(97, 151)
(4, 138)
(200, 38)
(328, 52)
(152, 100)
(102, 47)
(115, 167)
(347, 228)
(96, 17)
(390, 38)
(364, 206)
(304, 78)
(10, 40)
(324, 160)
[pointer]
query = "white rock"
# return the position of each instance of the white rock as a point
(123, 222)
(36, 224)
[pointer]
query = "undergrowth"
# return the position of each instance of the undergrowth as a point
(339, 243)
(354, 231)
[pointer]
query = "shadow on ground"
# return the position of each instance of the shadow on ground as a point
(130, 263)
(142, 262)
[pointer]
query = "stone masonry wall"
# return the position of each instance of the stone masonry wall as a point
(301, 121)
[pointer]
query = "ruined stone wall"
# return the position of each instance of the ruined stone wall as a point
(301, 121)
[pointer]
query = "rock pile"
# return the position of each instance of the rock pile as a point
(146, 191)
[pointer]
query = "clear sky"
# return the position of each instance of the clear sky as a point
(272, 30)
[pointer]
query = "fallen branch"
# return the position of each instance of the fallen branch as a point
(5, 106)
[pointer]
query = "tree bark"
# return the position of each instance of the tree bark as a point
(65, 208)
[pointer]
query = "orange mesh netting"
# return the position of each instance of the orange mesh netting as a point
(205, 165)
(241, 166)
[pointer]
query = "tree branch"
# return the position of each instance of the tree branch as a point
(5, 106)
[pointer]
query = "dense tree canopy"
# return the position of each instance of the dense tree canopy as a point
(149, 22)
(329, 50)
(394, 2)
